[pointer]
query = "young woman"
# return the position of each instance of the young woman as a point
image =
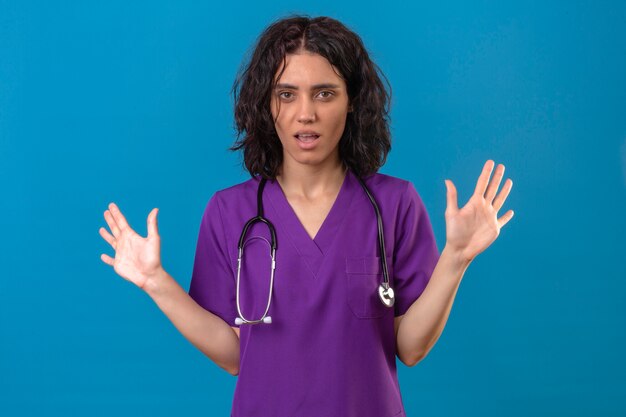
(310, 303)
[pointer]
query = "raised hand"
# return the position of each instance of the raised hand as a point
(136, 258)
(471, 230)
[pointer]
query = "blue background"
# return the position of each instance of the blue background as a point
(129, 102)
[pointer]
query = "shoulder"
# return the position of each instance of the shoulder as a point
(396, 196)
(235, 203)
(234, 194)
(388, 187)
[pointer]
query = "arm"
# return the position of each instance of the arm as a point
(138, 260)
(420, 327)
(206, 331)
(469, 231)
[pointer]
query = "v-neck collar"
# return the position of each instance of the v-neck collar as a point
(287, 223)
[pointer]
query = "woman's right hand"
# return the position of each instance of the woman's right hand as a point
(137, 259)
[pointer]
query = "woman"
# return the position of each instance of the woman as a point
(313, 114)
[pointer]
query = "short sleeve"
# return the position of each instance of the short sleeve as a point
(416, 252)
(213, 280)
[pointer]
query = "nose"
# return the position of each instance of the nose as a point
(306, 111)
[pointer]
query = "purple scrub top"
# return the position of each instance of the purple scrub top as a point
(330, 349)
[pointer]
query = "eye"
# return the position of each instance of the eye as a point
(326, 94)
(285, 94)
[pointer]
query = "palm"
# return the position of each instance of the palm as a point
(136, 258)
(471, 229)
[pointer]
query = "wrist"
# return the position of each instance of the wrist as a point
(154, 281)
(456, 257)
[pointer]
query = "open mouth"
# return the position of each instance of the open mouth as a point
(307, 138)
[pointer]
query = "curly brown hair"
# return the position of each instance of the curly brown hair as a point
(366, 139)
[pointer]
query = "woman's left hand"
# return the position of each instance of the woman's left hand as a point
(471, 229)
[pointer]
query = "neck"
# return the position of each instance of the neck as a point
(311, 182)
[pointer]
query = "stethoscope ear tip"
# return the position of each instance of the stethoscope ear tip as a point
(238, 321)
(267, 320)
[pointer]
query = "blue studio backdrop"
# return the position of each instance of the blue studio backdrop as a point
(130, 102)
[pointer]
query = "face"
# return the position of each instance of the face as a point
(309, 106)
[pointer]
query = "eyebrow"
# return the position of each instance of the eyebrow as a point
(315, 87)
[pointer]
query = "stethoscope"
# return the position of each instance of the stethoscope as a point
(385, 292)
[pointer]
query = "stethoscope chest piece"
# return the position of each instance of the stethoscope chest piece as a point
(386, 295)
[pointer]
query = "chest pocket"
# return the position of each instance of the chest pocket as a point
(363, 276)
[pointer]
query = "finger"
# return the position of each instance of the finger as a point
(153, 229)
(452, 206)
(498, 202)
(118, 216)
(483, 179)
(505, 218)
(107, 236)
(112, 223)
(494, 184)
(107, 259)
